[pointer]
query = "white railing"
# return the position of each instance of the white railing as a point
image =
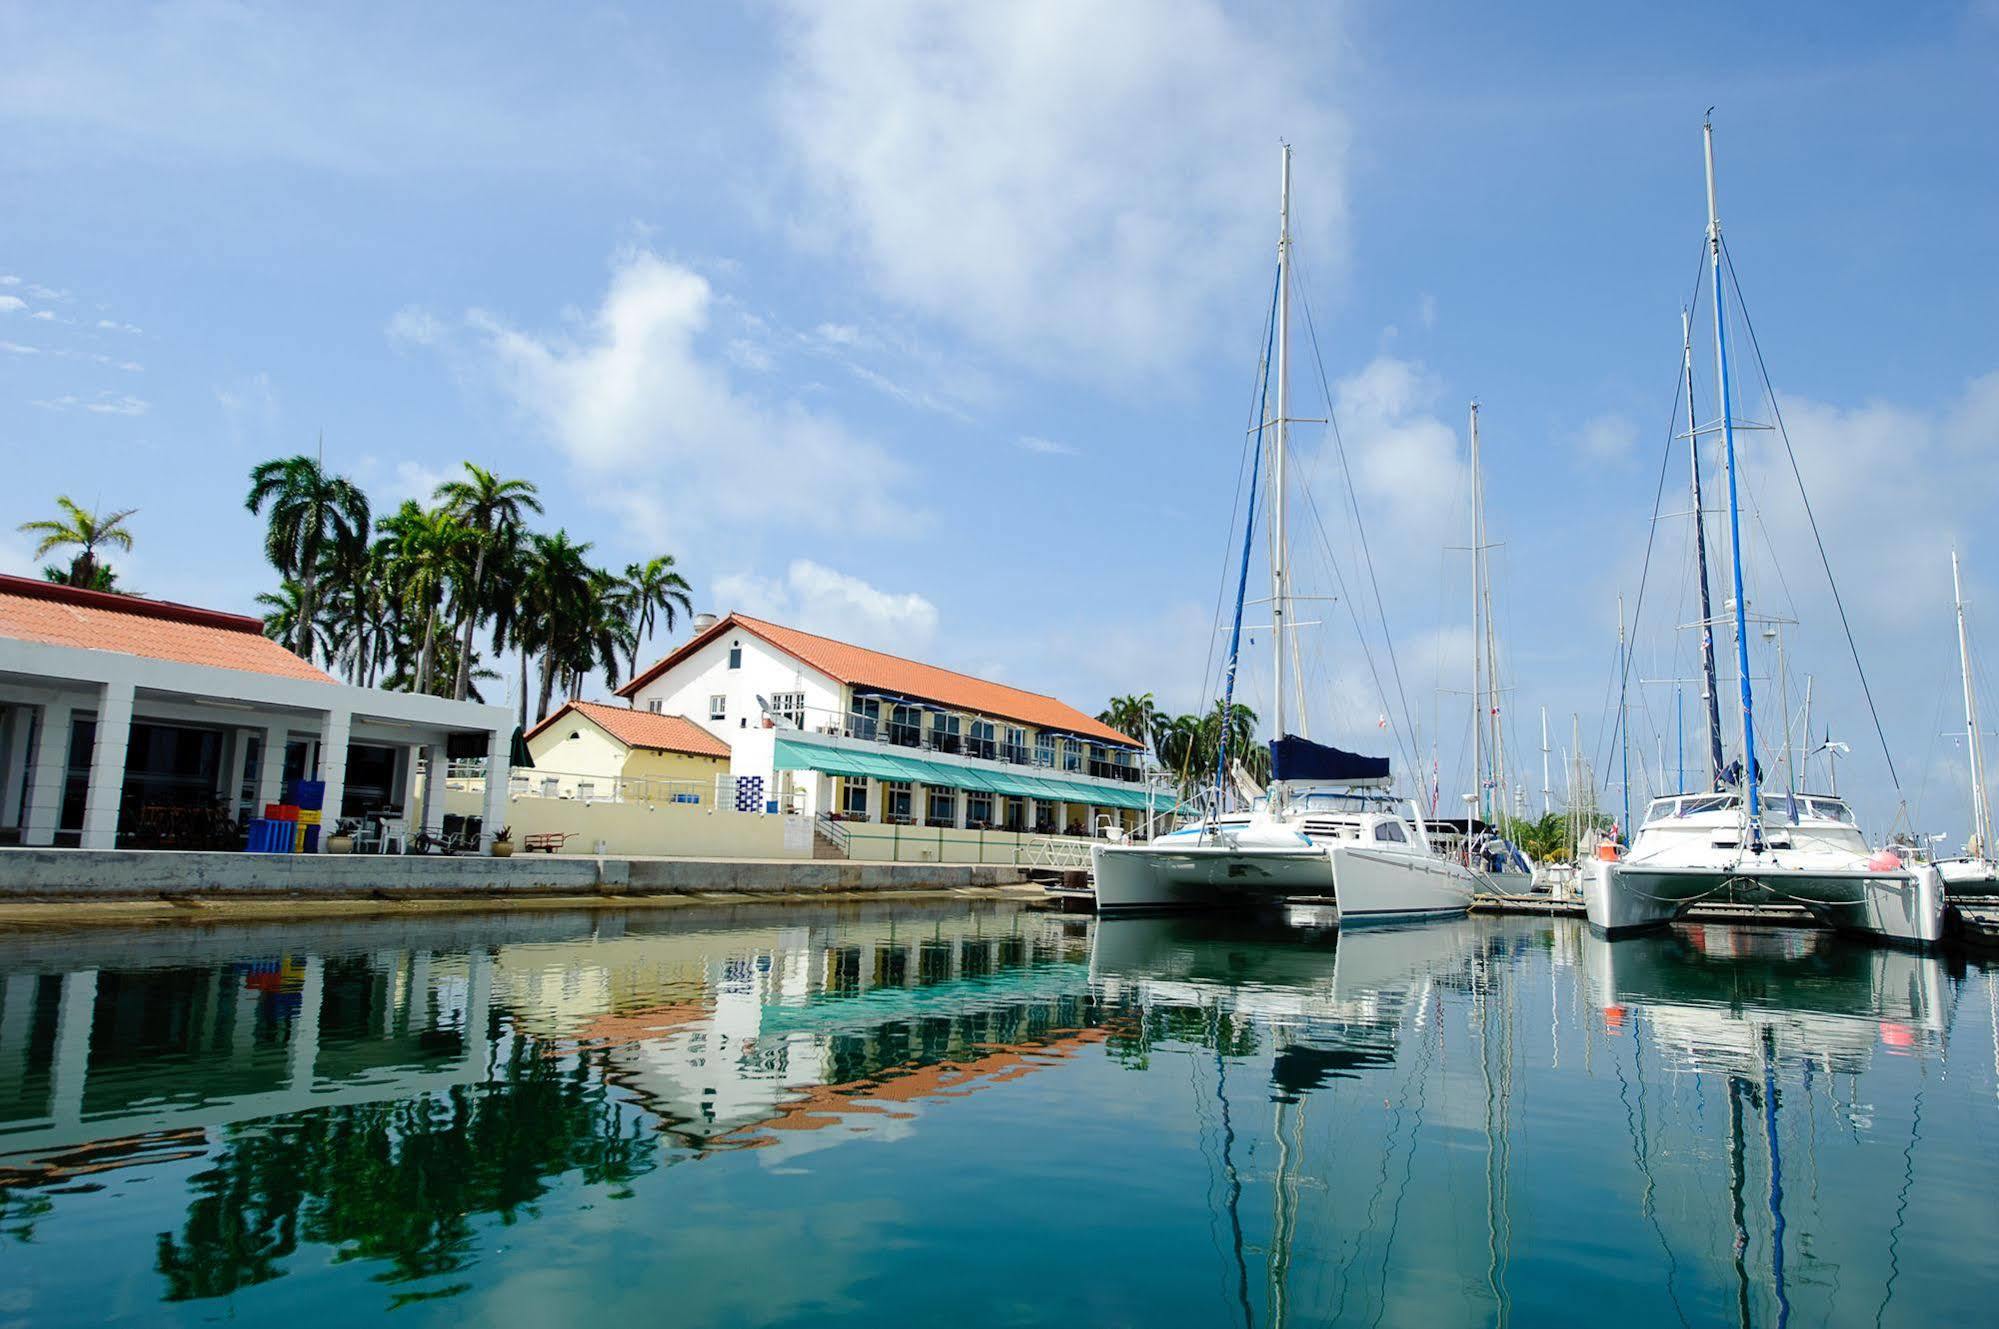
(592, 787)
(1048, 851)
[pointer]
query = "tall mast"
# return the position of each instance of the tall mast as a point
(1751, 777)
(1279, 593)
(1547, 794)
(1477, 635)
(1709, 692)
(1623, 722)
(1981, 812)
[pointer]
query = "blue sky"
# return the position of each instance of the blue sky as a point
(936, 328)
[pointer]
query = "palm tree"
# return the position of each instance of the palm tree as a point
(102, 577)
(648, 590)
(1177, 740)
(487, 507)
(1134, 716)
(285, 619)
(1238, 722)
(555, 591)
(356, 594)
(427, 558)
(308, 508)
(87, 531)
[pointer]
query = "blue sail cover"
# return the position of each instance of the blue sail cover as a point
(1295, 758)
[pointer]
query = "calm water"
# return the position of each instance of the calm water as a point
(914, 1115)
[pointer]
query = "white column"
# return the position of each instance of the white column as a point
(304, 1050)
(961, 799)
(107, 767)
(76, 1010)
(499, 752)
(51, 766)
(478, 995)
(433, 788)
(333, 732)
(16, 759)
(236, 771)
(871, 810)
(271, 767)
(406, 790)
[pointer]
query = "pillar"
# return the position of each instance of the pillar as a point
(333, 732)
(499, 753)
(16, 760)
(304, 1050)
(433, 788)
(106, 789)
(76, 1011)
(236, 770)
(271, 767)
(961, 799)
(51, 767)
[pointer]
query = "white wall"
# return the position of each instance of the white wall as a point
(686, 688)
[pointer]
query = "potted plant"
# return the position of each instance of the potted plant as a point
(503, 842)
(342, 839)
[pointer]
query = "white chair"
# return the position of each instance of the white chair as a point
(393, 833)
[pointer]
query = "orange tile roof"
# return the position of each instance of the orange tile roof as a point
(643, 729)
(857, 666)
(41, 611)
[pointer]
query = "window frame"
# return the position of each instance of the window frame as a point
(718, 706)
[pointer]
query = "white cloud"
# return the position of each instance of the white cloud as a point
(414, 327)
(415, 480)
(633, 396)
(816, 598)
(12, 304)
(113, 325)
(249, 404)
(1046, 447)
(16, 348)
(40, 292)
(45, 315)
(1406, 461)
(118, 403)
(1607, 437)
(1077, 184)
(746, 354)
(9, 279)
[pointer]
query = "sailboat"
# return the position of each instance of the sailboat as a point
(1731, 842)
(1327, 828)
(1976, 872)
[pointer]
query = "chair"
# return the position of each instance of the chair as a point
(392, 832)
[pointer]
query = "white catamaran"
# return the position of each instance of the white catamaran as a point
(1732, 842)
(1975, 872)
(1328, 827)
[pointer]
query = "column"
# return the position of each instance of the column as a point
(236, 770)
(76, 1011)
(333, 731)
(433, 788)
(961, 799)
(873, 796)
(107, 768)
(51, 766)
(1029, 809)
(405, 793)
(478, 995)
(499, 752)
(304, 1050)
(271, 767)
(16, 759)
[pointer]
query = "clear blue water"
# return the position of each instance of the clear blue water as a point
(970, 1116)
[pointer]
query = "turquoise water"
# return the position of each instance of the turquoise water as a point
(919, 1115)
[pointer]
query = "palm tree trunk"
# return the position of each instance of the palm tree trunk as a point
(302, 647)
(547, 682)
(524, 683)
(429, 649)
(471, 622)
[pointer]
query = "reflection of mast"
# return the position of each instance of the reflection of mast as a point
(1234, 1178)
(1776, 1178)
(1737, 1087)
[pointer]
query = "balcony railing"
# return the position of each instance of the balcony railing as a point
(871, 729)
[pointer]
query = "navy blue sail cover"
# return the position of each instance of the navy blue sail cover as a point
(1295, 758)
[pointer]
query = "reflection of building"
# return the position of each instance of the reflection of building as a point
(837, 729)
(127, 722)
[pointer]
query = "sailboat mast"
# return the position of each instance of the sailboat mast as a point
(1751, 776)
(1981, 812)
(1623, 722)
(1547, 794)
(1477, 634)
(1709, 692)
(1279, 592)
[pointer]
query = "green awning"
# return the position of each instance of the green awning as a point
(793, 755)
(796, 755)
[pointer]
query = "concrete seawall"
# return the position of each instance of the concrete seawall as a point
(28, 875)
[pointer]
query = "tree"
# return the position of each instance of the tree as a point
(355, 590)
(652, 590)
(426, 558)
(308, 509)
(555, 591)
(488, 508)
(103, 578)
(87, 531)
(285, 619)
(1134, 716)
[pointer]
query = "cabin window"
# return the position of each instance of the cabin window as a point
(789, 706)
(1390, 832)
(718, 706)
(735, 655)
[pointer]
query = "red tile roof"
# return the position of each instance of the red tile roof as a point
(41, 611)
(857, 666)
(643, 729)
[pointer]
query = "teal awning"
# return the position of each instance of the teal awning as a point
(798, 755)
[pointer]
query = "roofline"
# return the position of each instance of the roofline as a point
(36, 588)
(753, 626)
(576, 705)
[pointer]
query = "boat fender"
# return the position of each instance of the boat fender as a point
(1885, 860)
(1607, 851)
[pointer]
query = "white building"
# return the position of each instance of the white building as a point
(827, 728)
(128, 722)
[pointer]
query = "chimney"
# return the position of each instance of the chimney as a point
(702, 622)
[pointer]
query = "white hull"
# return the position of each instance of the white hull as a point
(1363, 883)
(1906, 905)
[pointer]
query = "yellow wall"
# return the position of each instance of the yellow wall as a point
(638, 828)
(595, 756)
(647, 764)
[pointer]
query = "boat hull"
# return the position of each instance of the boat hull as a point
(1905, 906)
(1363, 883)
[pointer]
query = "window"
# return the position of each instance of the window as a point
(1044, 750)
(944, 732)
(1015, 750)
(978, 808)
(718, 707)
(982, 744)
(941, 807)
(1016, 814)
(1072, 755)
(1390, 832)
(735, 655)
(854, 797)
(653, 705)
(895, 800)
(864, 718)
(789, 706)
(905, 726)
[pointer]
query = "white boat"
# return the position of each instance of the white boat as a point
(1326, 829)
(1974, 872)
(1738, 843)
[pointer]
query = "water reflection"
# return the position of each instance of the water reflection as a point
(1467, 1122)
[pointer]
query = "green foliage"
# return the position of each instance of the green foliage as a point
(86, 531)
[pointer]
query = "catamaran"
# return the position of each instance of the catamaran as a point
(1328, 826)
(1733, 842)
(1975, 872)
